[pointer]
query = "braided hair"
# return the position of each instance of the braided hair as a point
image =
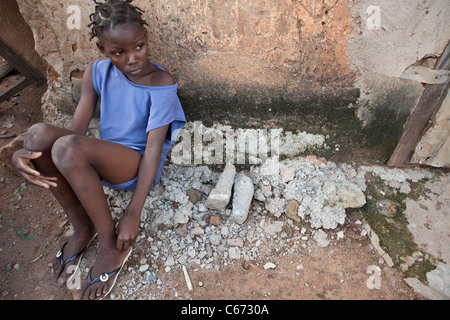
(112, 13)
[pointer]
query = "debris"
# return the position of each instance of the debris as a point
(269, 265)
(221, 194)
(242, 198)
(188, 280)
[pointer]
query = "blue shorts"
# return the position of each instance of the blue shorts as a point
(131, 185)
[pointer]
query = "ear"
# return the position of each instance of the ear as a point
(101, 48)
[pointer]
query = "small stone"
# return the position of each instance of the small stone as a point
(144, 267)
(197, 231)
(292, 210)
(321, 238)
(9, 266)
(194, 195)
(287, 174)
(269, 265)
(238, 242)
(181, 230)
(234, 253)
(215, 239)
(149, 277)
(215, 220)
(170, 261)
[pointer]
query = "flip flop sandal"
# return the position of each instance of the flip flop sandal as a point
(63, 262)
(105, 277)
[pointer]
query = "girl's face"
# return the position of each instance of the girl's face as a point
(126, 46)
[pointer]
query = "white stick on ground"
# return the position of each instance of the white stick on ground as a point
(188, 281)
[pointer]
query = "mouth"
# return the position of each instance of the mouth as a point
(135, 71)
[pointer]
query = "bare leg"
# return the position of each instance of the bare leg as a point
(84, 162)
(41, 137)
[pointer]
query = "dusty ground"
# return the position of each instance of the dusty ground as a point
(339, 271)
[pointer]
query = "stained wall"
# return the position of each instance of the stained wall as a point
(325, 66)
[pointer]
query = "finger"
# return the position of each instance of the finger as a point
(34, 154)
(48, 180)
(38, 182)
(21, 166)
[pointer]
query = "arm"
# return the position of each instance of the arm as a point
(86, 105)
(128, 227)
(21, 159)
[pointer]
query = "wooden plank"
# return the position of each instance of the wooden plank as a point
(15, 88)
(19, 64)
(426, 109)
(6, 70)
(422, 117)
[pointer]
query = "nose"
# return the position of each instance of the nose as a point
(131, 59)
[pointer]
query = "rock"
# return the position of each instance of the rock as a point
(276, 206)
(292, 210)
(163, 220)
(287, 174)
(215, 239)
(438, 287)
(234, 253)
(149, 277)
(170, 262)
(194, 195)
(144, 268)
(237, 242)
(182, 215)
(315, 159)
(273, 227)
(215, 219)
(221, 194)
(321, 238)
(266, 191)
(269, 265)
(181, 230)
(197, 231)
(242, 198)
(345, 193)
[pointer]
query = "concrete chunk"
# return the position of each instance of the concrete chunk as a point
(221, 194)
(242, 198)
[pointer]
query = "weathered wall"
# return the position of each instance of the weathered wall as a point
(329, 66)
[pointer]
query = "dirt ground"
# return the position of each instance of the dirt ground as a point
(340, 271)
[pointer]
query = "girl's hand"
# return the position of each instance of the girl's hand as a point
(21, 160)
(127, 230)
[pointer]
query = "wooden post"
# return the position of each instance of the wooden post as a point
(422, 117)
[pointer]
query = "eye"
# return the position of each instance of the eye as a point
(117, 53)
(139, 47)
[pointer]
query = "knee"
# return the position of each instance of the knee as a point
(37, 137)
(64, 152)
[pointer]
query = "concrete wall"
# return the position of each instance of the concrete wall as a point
(328, 66)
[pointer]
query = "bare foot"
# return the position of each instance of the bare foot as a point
(103, 276)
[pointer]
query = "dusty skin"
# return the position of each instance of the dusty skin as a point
(343, 270)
